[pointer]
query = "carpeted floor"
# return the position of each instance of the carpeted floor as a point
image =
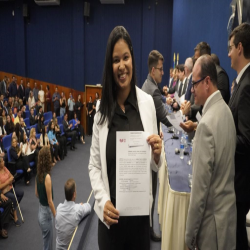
(75, 165)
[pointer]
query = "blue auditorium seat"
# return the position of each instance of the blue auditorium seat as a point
(7, 141)
(47, 116)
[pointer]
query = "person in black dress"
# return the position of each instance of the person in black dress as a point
(9, 127)
(78, 107)
(90, 114)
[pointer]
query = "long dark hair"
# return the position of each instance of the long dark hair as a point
(1, 124)
(50, 129)
(17, 130)
(109, 89)
(10, 124)
(43, 133)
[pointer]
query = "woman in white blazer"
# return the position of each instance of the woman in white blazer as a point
(123, 107)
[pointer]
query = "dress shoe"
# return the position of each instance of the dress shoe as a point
(3, 234)
(155, 237)
(72, 149)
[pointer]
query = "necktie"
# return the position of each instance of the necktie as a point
(179, 93)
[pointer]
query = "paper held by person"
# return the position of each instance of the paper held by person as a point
(133, 155)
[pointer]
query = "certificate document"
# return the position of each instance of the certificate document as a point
(133, 155)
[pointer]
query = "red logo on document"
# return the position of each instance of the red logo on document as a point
(122, 140)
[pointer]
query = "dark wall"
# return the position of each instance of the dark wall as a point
(58, 45)
(195, 21)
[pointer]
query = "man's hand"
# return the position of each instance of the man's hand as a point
(110, 214)
(186, 108)
(188, 126)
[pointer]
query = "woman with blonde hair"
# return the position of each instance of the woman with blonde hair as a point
(31, 100)
(44, 192)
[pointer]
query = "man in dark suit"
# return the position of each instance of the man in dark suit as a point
(21, 91)
(13, 87)
(1, 100)
(3, 86)
(239, 52)
(223, 80)
(150, 86)
(68, 132)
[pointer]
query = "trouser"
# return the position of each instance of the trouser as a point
(131, 232)
(80, 130)
(23, 163)
(11, 196)
(90, 124)
(72, 135)
(45, 219)
(48, 106)
(4, 217)
(241, 232)
(34, 157)
(63, 145)
(154, 189)
(56, 150)
(71, 115)
(57, 111)
(62, 111)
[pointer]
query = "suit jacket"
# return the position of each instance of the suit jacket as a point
(151, 88)
(175, 88)
(21, 92)
(211, 221)
(223, 83)
(97, 163)
(240, 106)
(66, 126)
(33, 121)
(188, 92)
(3, 88)
(13, 89)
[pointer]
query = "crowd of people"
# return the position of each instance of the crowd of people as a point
(29, 143)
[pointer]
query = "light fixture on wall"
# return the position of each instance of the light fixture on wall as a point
(86, 11)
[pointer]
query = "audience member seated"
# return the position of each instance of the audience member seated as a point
(38, 104)
(3, 115)
(19, 115)
(16, 103)
(11, 115)
(22, 162)
(29, 149)
(2, 130)
(23, 108)
(23, 128)
(31, 100)
(6, 180)
(78, 128)
(5, 106)
(68, 215)
(10, 103)
(54, 115)
(17, 132)
(40, 112)
(33, 118)
(68, 132)
(40, 123)
(9, 127)
(53, 141)
(44, 142)
(61, 139)
(6, 204)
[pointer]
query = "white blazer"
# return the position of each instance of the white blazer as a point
(97, 163)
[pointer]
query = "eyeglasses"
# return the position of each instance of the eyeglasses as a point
(196, 83)
(161, 69)
(230, 48)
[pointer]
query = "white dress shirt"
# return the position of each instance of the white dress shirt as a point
(68, 216)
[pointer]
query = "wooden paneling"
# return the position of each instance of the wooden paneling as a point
(52, 87)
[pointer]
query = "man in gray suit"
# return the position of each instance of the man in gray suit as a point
(150, 86)
(211, 221)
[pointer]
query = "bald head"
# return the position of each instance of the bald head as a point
(188, 66)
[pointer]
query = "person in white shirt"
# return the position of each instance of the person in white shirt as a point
(68, 216)
(41, 96)
(31, 100)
